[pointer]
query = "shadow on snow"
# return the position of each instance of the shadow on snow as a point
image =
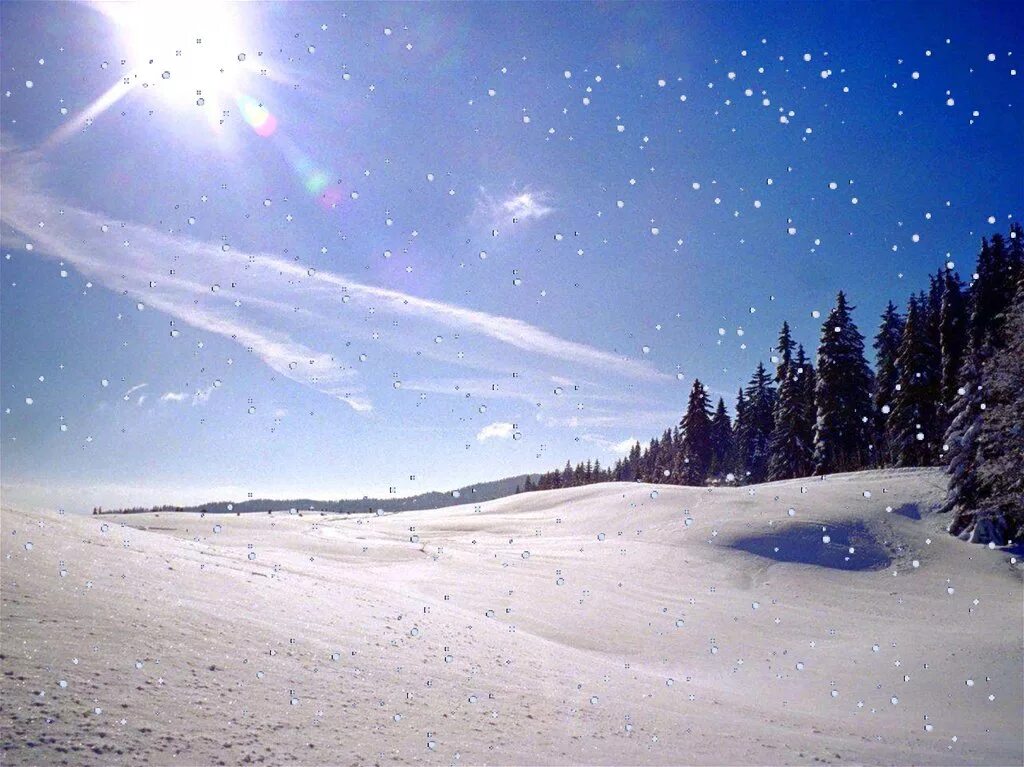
(849, 546)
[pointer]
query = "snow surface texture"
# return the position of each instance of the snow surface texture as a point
(609, 624)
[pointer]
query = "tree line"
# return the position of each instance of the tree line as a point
(947, 389)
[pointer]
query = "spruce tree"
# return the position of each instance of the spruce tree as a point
(843, 430)
(1016, 265)
(737, 457)
(665, 461)
(790, 448)
(961, 441)
(933, 329)
(755, 425)
(886, 345)
(721, 442)
(952, 338)
(784, 353)
(695, 459)
(913, 432)
(991, 291)
(986, 440)
(1002, 285)
(649, 462)
(631, 466)
(567, 475)
(984, 445)
(997, 514)
(809, 413)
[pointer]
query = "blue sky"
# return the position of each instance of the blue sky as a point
(336, 250)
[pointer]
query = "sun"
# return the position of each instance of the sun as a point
(188, 53)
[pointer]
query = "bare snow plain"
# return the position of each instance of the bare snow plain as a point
(803, 622)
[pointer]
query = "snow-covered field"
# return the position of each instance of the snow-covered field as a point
(611, 624)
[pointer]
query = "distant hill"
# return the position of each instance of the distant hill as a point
(478, 493)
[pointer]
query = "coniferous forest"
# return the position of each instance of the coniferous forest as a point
(947, 390)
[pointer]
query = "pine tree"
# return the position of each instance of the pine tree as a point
(630, 469)
(961, 439)
(784, 353)
(991, 291)
(997, 514)
(721, 442)
(843, 430)
(932, 307)
(649, 462)
(808, 379)
(791, 447)
(666, 460)
(1016, 257)
(985, 446)
(1002, 286)
(755, 424)
(952, 338)
(913, 431)
(986, 441)
(737, 457)
(886, 345)
(933, 329)
(552, 480)
(567, 475)
(695, 459)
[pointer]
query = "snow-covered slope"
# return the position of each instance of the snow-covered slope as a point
(610, 624)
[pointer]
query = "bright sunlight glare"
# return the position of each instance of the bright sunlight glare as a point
(189, 52)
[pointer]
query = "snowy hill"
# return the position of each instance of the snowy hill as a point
(810, 621)
(479, 492)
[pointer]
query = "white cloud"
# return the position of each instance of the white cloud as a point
(281, 303)
(203, 395)
(618, 448)
(477, 389)
(496, 430)
(199, 396)
(128, 394)
(626, 419)
(516, 208)
(621, 448)
(525, 206)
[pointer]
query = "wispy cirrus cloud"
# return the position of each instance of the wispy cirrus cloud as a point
(198, 397)
(128, 394)
(278, 309)
(516, 207)
(595, 418)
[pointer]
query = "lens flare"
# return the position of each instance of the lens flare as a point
(259, 118)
